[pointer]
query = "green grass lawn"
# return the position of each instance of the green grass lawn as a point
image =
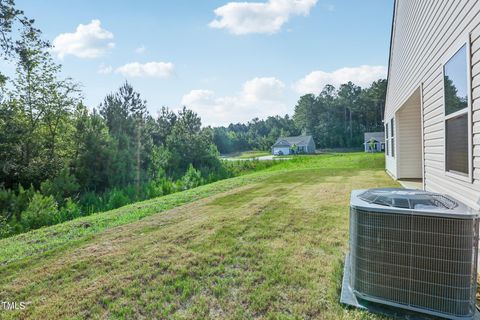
(250, 154)
(265, 245)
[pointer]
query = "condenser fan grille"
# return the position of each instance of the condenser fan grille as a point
(419, 261)
(407, 199)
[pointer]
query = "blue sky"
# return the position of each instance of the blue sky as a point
(254, 59)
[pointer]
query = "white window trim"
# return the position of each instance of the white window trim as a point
(458, 175)
(387, 139)
(393, 136)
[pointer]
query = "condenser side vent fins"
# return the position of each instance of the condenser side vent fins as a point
(415, 250)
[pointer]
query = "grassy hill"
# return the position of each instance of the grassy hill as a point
(264, 245)
(247, 154)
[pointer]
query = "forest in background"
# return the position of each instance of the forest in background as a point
(60, 159)
(336, 118)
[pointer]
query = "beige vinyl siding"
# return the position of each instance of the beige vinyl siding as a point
(418, 47)
(409, 141)
(426, 34)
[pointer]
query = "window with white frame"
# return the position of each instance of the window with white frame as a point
(387, 140)
(392, 137)
(456, 99)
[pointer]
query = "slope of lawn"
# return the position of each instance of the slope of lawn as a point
(253, 154)
(248, 154)
(264, 245)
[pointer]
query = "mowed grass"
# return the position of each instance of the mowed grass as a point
(267, 245)
(250, 154)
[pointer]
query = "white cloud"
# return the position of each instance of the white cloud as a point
(259, 97)
(259, 17)
(362, 76)
(263, 89)
(140, 50)
(149, 69)
(199, 97)
(88, 41)
(104, 69)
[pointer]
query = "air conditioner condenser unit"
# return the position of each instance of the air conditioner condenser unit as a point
(412, 250)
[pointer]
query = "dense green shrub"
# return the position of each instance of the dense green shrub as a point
(91, 202)
(167, 186)
(12, 204)
(62, 187)
(22, 200)
(116, 198)
(29, 209)
(7, 202)
(5, 228)
(131, 194)
(41, 211)
(69, 211)
(158, 187)
(153, 189)
(192, 178)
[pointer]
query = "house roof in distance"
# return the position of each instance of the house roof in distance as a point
(378, 136)
(290, 141)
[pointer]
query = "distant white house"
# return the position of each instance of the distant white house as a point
(374, 141)
(432, 112)
(291, 145)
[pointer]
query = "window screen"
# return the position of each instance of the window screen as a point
(457, 144)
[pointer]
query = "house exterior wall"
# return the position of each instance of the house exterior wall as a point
(311, 146)
(378, 147)
(425, 35)
(409, 139)
(285, 150)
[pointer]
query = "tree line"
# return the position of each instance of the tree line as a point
(257, 134)
(336, 118)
